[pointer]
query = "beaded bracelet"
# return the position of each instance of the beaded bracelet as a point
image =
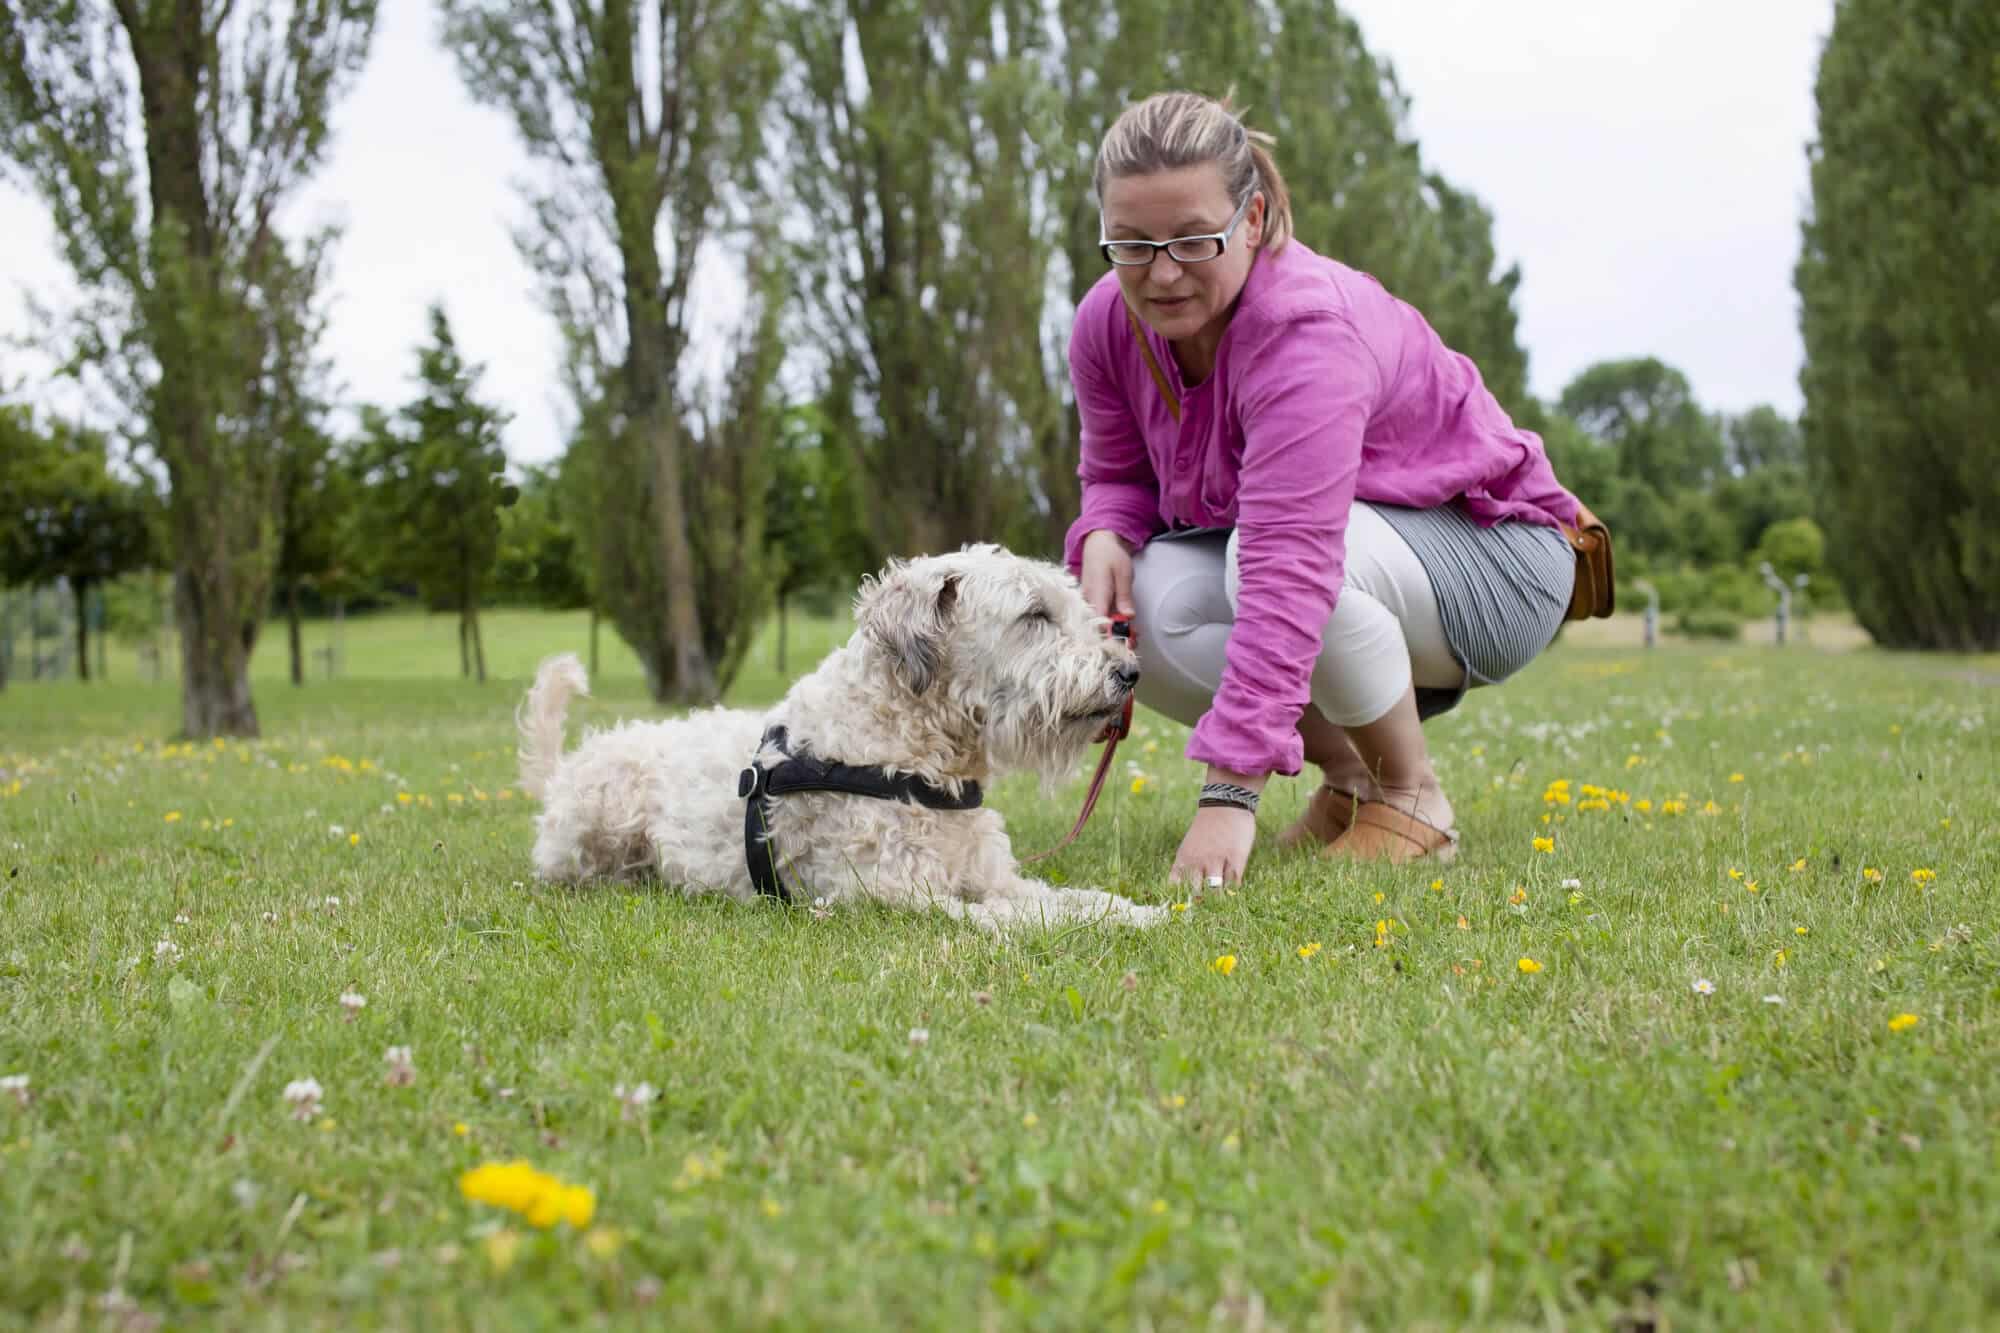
(1227, 793)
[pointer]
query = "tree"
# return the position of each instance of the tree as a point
(65, 515)
(813, 517)
(437, 477)
(540, 562)
(316, 529)
(1898, 281)
(1761, 438)
(645, 116)
(915, 133)
(164, 136)
(1646, 411)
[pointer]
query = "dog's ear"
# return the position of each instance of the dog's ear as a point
(907, 612)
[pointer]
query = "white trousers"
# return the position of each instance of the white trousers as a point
(1384, 634)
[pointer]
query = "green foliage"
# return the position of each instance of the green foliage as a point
(1645, 410)
(1899, 282)
(1793, 546)
(540, 561)
(1709, 623)
(436, 483)
(165, 139)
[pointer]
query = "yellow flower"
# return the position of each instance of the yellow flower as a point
(1463, 924)
(1175, 1102)
(354, 840)
(1750, 884)
(1517, 897)
(1138, 784)
(1642, 806)
(603, 1241)
(1736, 777)
(771, 1207)
(1309, 948)
(1030, 1120)
(1799, 864)
(1673, 807)
(1734, 873)
(1633, 760)
(1225, 964)
(1157, 1207)
(1529, 965)
(1871, 874)
(1180, 907)
(1800, 930)
(535, 1195)
(173, 816)
(1437, 886)
(1709, 808)
(501, 1249)
(1378, 899)
(404, 798)
(1944, 823)
(1922, 876)
(1903, 1022)
(1545, 845)
(455, 798)
(1782, 957)
(460, 1128)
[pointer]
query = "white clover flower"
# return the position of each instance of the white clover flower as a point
(16, 1086)
(166, 952)
(351, 1004)
(633, 1101)
(303, 1095)
(920, 1036)
(402, 1070)
(1703, 986)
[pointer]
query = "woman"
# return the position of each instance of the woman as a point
(1324, 526)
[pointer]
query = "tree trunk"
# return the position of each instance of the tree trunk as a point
(215, 661)
(80, 594)
(292, 631)
(464, 647)
(691, 679)
(478, 645)
(781, 632)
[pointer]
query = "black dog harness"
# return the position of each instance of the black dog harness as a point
(805, 772)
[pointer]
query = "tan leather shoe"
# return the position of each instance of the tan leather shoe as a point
(1381, 832)
(1329, 813)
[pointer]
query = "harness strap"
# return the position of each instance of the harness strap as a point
(806, 772)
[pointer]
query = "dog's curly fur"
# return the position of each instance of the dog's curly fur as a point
(962, 667)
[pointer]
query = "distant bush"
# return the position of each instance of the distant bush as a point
(1709, 623)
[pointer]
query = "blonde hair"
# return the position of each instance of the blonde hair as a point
(1172, 130)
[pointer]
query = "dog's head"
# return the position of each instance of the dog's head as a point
(1000, 650)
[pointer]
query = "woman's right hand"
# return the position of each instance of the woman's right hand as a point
(1106, 575)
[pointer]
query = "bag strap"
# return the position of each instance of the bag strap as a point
(1159, 377)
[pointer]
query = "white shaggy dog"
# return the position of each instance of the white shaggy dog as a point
(962, 667)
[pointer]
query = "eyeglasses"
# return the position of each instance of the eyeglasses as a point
(1180, 249)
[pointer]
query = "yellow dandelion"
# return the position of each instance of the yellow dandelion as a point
(1308, 949)
(460, 1128)
(1903, 1022)
(1180, 907)
(1871, 874)
(1633, 760)
(1463, 924)
(1225, 964)
(771, 1207)
(354, 840)
(173, 816)
(1780, 958)
(1800, 930)
(1157, 1207)
(1750, 884)
(1030, 1120)
(1642, 806)
(1138, 784)
(1709, 808)
(1529, 966)
(1437, 886)
(1545, 845)
(404, 798)
(1922, 876)
(602, 1242)
(1734, 873)
(1736, 777)
(1517, 897)
(1378, 900)
(1799, 864)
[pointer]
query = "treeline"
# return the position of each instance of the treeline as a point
(903, 187)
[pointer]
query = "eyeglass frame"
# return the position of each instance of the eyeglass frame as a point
(1221, 238)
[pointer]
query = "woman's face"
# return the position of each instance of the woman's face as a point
(1182, 300)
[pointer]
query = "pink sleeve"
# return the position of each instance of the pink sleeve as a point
(1120, 490)
(1304, 400)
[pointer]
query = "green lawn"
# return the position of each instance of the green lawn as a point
(1487, 1098)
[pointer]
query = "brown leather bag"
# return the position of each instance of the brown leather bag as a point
(1593, 595)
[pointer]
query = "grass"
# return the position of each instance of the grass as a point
(1404, 1129)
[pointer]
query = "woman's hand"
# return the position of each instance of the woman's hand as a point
(1106, 575)
(1217, 845)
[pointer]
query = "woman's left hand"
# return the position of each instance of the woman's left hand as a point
(1217, 845)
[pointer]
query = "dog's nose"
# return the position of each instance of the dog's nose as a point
(1128, 676)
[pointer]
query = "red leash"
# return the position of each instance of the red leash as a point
(1114, 732)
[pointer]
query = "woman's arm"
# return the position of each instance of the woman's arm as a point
(1304, 398)
(1121, 492)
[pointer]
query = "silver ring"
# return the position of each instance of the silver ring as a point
(1214, 881)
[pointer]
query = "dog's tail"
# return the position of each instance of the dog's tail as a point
(540, 719)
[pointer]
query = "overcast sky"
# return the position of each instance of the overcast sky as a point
(1645, 165)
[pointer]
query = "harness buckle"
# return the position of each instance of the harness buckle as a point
(749, 783)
